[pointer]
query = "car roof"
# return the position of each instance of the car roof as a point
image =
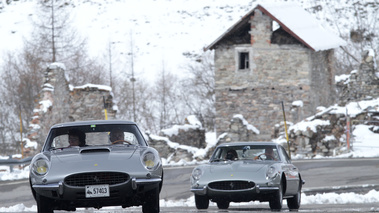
(247, 143)
(98, 122)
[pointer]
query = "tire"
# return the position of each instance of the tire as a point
(276, 201)
(44, 204)
(294, 202)
(202, 202)
(223, 204)
(151, 204)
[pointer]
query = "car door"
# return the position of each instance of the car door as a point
(291, 172)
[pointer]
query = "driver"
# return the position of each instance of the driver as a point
(117, 136)
(269, 153)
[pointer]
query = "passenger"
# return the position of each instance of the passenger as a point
(76, 138)
(117, 136)
(269, 153)
(231, 155)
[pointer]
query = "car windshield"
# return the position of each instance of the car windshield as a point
(248, 152)
(94, 135)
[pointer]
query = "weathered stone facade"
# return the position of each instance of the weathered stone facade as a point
(277, 72)
(362, 84)
(59, 102)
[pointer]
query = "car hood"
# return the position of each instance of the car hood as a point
(237, 166)
(74, 160)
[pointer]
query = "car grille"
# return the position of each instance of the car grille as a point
(231, 185)
(96, 178)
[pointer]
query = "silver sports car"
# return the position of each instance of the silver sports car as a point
(96, 164)
(247, 171)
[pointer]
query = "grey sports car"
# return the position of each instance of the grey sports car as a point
(96, 164)
(247, 171)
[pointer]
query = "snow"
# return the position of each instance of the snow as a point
(298, 103)
(248, 126)
(99, 87)
(308, 28)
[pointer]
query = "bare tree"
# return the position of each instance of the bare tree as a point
(53, 40)
(167, 100)
(356, 22)
(58, 41)
(198, 91)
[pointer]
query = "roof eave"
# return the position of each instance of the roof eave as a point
(211, 46)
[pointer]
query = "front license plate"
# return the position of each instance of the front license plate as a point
(97, 191)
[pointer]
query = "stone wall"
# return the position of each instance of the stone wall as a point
(361, 84)
(281, 73)
(190, 134)
(87, 102)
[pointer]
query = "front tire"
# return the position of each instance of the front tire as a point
(276, 201)
(223, 204)
(202, 202)
(294, 202)
(151, 204)
(44, 204)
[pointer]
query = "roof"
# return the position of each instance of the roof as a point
(91, 122)
(295, 21)
(258, 143)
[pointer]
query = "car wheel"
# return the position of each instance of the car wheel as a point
(223, 204)
(202, 202)
(151, 204)
(44, 204)
(276, 201)
(294, 202)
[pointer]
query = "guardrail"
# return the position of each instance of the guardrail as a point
(13, 161)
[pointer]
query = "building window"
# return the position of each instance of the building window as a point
(243, 60)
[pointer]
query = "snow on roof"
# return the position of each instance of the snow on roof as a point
(303, 25)
(297, 22)
(99, 87)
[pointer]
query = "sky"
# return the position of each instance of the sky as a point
(159, 35)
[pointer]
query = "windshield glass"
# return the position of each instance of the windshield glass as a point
(94, 135)
(249, 152)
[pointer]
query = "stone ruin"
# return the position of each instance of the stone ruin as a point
(60, 102)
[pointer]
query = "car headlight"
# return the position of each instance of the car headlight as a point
(40, 167)
(271, 173)
(196, 173)
(150, 160)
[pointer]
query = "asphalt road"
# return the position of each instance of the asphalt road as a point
(334, 175)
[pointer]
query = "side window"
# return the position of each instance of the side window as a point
(243, 60)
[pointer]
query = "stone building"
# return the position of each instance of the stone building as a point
(274, 53)
(60, 102)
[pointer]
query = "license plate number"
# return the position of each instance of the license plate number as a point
(97, 191)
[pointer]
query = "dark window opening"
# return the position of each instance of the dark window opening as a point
(243, 60)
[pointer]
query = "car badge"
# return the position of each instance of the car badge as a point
(231, 185)
(96, 179)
